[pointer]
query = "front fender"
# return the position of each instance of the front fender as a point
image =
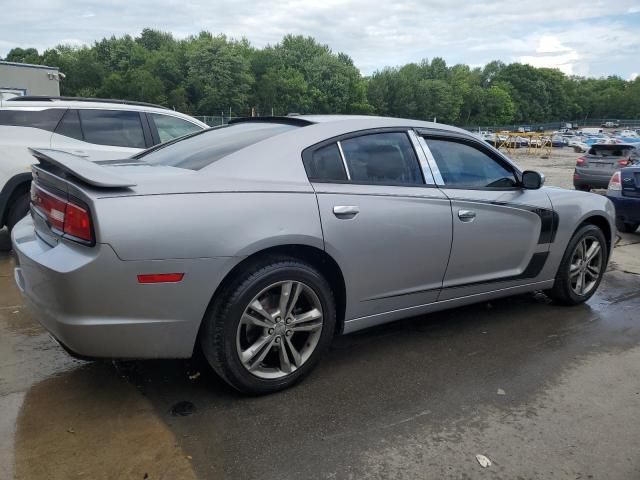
(574, 208)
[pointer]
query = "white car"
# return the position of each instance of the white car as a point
(93, 129)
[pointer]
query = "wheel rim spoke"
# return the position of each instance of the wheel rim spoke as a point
(574, 270)
(256, 352)
(248, 318)
(593, 250)
(307, 322)
(285, 294)
(285, 363)
(297, 288)
(294, 353)
(593, 271)
(257, 306)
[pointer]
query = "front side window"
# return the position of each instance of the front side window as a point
(464, 166)
(112, 127)
(382, 158)
(171, 127)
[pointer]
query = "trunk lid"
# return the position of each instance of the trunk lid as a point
(63, 177)
(603, 159)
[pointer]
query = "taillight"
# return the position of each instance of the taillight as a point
(580, 161)
(64, 216)
(623, 162)
(615, 183)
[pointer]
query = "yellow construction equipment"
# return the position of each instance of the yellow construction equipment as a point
(537, 142)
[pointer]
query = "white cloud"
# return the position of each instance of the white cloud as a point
(578, 40)
(551, 53)
(633, 76)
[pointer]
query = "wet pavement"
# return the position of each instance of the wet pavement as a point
(543, 391)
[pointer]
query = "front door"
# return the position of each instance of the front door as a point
(501, 231)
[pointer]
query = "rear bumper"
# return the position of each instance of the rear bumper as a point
(627, 208)
(581, 178)
(91, 302)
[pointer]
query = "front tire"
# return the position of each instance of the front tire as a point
(269, 326)
(582, 267)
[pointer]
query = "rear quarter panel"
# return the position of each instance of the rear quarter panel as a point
(206, 225)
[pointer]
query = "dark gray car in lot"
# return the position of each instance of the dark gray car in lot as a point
(594, 169)
(259, 241)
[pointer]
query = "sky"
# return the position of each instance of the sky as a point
(591, 38)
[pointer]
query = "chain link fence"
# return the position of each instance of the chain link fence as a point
(588, 123)
(217, 120)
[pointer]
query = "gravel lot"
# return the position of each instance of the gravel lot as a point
(557, 168)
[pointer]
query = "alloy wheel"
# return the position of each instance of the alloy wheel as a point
(279, 329)
(586, 265)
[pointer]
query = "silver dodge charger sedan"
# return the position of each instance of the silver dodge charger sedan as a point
(259, 241)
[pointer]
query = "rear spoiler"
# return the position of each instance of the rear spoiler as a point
(85, 170)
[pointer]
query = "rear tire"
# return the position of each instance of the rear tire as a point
(237, 331)
(576, 267)
(627, 227)
(18, 209)
(583, 188)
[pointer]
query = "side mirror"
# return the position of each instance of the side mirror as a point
(532, 180)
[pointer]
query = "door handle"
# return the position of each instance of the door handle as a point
(346, 211)
(466, 215)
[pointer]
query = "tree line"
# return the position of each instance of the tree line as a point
(209, 74)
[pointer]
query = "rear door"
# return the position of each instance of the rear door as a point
(388, 229)
(97, 134)
(501, 232)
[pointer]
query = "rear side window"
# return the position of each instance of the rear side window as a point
(42, 119)
(171, 127)
(69, 126)
(382, 158)
(325, 164)
(201, 149)
(112, 127)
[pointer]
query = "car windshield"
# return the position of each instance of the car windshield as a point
(201, 149)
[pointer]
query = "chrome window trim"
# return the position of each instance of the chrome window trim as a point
(344, 160)
(431, 161)
(422, 158)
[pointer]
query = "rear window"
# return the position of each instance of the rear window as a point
(201, 149)
(607, 150)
